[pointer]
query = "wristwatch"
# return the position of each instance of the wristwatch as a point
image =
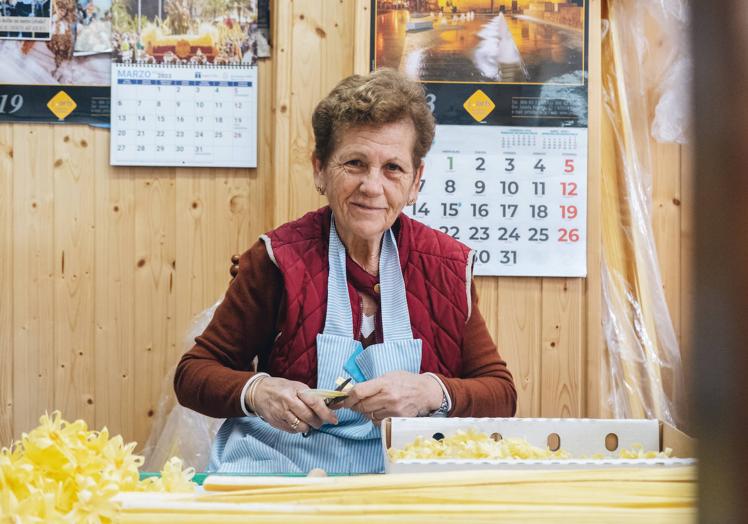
(443, 409)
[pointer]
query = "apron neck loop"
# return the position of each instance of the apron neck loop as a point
(339, 317)
(394, 305)
(395, 315)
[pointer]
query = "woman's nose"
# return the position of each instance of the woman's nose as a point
(372, 181)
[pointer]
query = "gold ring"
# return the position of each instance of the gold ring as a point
(295, 424)
(374, 418)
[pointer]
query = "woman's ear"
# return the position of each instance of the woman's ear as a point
(416, 185)
(317, 167)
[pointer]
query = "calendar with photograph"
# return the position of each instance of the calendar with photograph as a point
(517, 196)
(507, 84)
(184, 82)
(182, 115)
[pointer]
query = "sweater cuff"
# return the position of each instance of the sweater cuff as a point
(445, 392)
(242, 400)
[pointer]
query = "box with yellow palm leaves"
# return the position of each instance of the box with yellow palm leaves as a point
(451, 444)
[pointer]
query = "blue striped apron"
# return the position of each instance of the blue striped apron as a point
(251, 445)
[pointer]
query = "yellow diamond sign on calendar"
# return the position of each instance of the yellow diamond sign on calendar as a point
(479, 106)
(61, 105)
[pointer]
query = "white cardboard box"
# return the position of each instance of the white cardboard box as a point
(580, 437)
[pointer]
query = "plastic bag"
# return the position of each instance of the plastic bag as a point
(672, 115)
(643, 373)
(179, 431)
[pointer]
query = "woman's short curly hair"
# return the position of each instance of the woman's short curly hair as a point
(382, 97)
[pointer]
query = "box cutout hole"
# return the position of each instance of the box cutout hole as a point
(437, 436)
(496, 437)
(554, 442)
(611, 442)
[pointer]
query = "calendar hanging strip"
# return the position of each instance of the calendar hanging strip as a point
(175, 65)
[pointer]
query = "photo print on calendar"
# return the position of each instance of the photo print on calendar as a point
(66, 77)
(194, 32)
(526, 57)
(94, 31)
(25, 19)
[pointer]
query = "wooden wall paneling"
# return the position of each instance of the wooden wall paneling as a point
(114, 293)
(232, 206)
(563, 349)
(666, 212)
(666, 200)
(665, 171)
(362, 36)
(33, 275)
(518, 335)
(337, 43)
(282, 116)
(686, 261)
(155, 295)
(261, 181)
(488, 303)
(74, 271)
(306, 90)
(487, 290)
(596, 382)
(244, 197)
(6, 285)
(197, 259)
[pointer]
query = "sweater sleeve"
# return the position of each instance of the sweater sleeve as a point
(210, 377)
(486, 387)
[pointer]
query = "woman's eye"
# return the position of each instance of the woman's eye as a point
(355, 164)
(393, 167)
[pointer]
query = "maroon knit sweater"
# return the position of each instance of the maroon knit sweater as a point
(210, 376)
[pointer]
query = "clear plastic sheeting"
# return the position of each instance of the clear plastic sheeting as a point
(672, 114)
(643, 369)
(178, 431)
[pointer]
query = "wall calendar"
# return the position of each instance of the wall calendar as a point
(182, 115)
(507, 85)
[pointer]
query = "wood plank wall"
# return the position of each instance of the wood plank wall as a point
(102, 269)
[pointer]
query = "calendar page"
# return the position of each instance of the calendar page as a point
(517, 196)
(184, 115)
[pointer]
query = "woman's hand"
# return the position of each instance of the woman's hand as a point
(394, 394)
(282, 404)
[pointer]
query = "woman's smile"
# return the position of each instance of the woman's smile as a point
(367, 208)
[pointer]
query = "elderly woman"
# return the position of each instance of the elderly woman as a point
(353, 290)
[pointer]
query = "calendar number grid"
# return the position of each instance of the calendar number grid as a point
(516, 196)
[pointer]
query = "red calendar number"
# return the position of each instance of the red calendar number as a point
(568, 235)
(569, 188)
(569, 212)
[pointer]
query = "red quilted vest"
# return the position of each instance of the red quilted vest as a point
(436, 271)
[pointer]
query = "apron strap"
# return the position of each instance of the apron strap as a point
(339, 317)
(395, 314)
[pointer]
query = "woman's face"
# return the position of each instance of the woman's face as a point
(370, 177)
